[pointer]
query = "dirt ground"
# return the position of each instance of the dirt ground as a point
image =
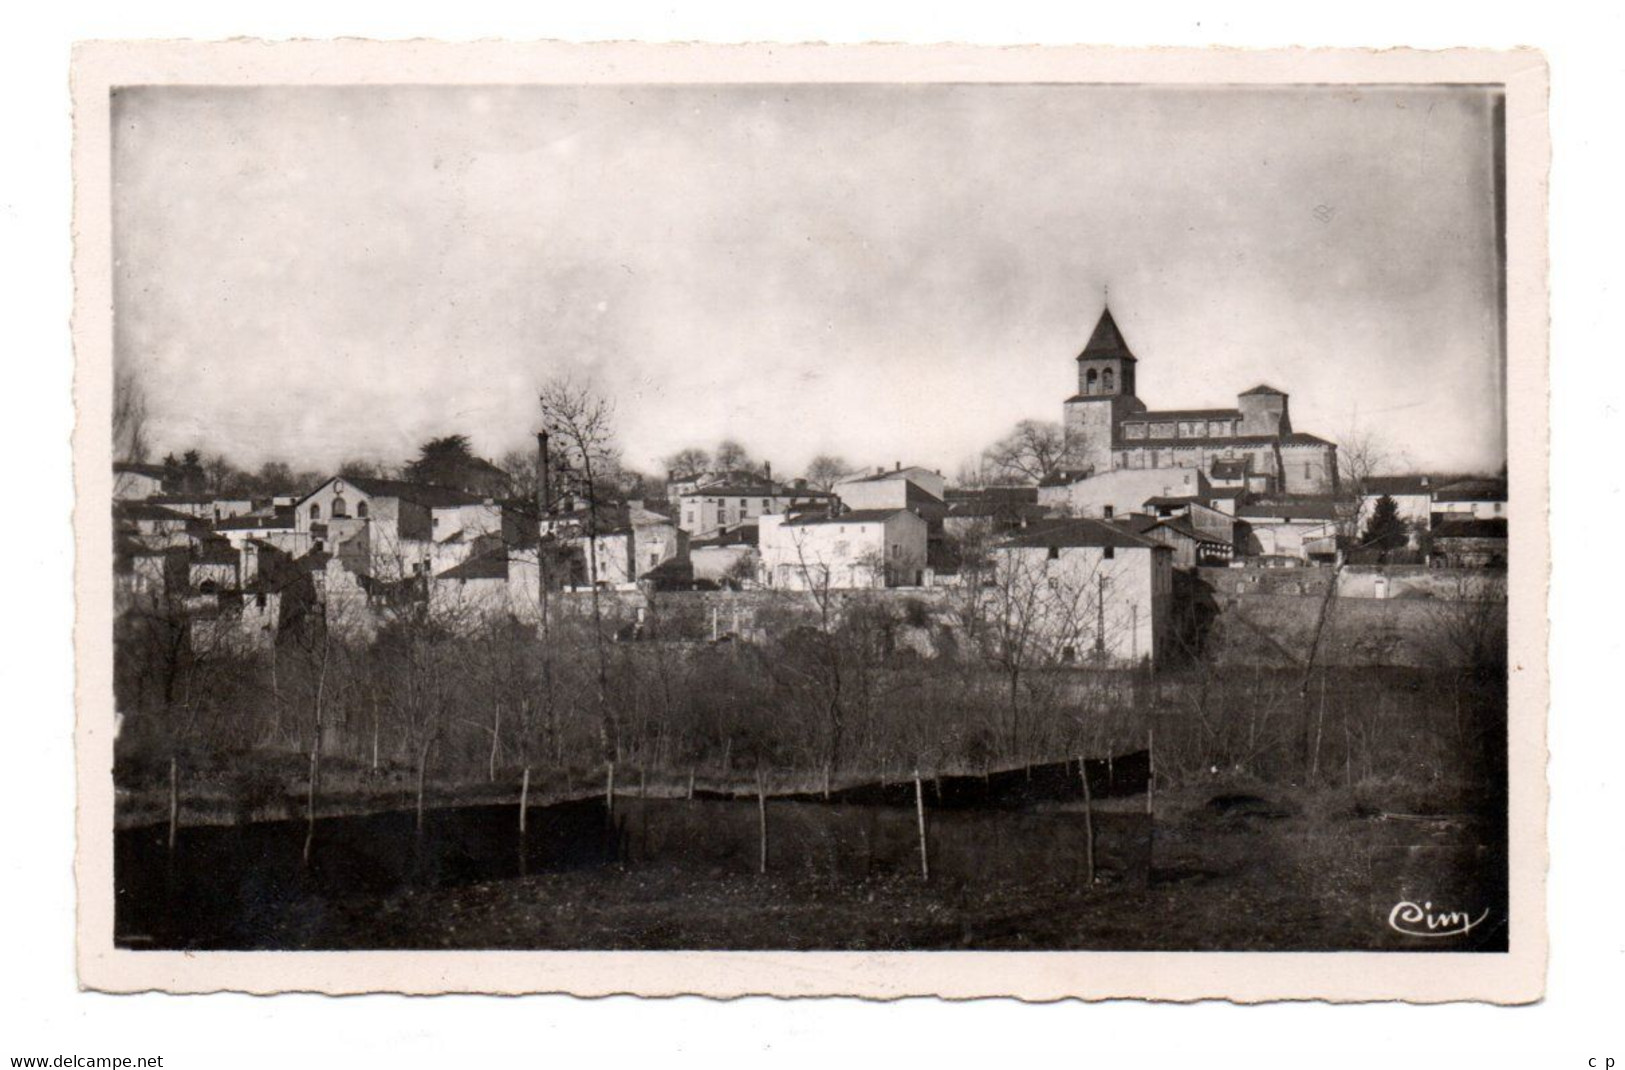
(1257, 875)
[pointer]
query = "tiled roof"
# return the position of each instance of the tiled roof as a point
(1472, 490)
(148, 511)
(255, 523)
(1296, 438)
(154, 471)
(1492, 528)
(1002, 495)
(1079, 532)
(1106, 342)
(1379, 485)
(1298, 510)
(856, 516)
(483, 567)
(424, 494)
(1262, 388)
(1170, 500)
(1164, 415)
(743, 535)
(1139, 523)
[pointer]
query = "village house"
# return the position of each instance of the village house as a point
(389, 529)
(1481, 499)
(1118, 492)
(137, 482)
(1412, 495)
(628, 541)
(1109, 428)
(897, 488)
(279, 529)
(864, 548)
(991, 510)
(713, 507)
(727, 558)
(1193, 547)
(1305, 528)
(1085, 590)
(154, 527)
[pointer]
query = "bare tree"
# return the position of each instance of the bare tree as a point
(580, 423)
(826, 470)
(1032, 452)
(130, 442)
(731, 455)
(688, 462)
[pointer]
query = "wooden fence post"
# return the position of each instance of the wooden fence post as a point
(1151, 775)
(1088, 823)
(174, 801)
(609, 791)
(919, 812)
(761, 817)
(524, 799)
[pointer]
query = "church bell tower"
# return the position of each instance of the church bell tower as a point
(1105, 395)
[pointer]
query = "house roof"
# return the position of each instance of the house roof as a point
(147, 511)
(1001, 495)
(890, 473)
(758, 489)
(743, 535)
(484, 567)
(1262, 389)
(424, 494)
(1312, 509)
(1078, 532)
(154, 471)
(1139, 523)
(856, 516)
(1163, 415)
(281, 521)
(1379, 485)
(1296, 438)
(1106, 341)
(1491, 528)
(1184, 527)
(215, 552)
(1170, 499)
(1472, 490)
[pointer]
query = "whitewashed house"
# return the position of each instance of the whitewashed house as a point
(864, 548)
(1083, 590)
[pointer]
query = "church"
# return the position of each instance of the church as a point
(1251, 447)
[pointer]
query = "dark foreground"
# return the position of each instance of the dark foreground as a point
(1219, 872)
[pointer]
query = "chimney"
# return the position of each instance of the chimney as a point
(544, 491)
(897, 466)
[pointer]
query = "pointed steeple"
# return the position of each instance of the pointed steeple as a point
(1106, 342)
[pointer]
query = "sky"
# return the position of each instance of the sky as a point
(891, 273)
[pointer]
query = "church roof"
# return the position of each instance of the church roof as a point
(1107, 341)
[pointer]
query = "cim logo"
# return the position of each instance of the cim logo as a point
(1413, 920)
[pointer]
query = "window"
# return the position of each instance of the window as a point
(1111, 552)
(340, 507)
(259, 600)
(654, 558)
(896, 550)
(1054, 553)
(315, 510)
(1133, 430)
(361, 510)
(1106, 511)
(1091, 382)
(688, 516)
(1308, 470)
(1106, 381)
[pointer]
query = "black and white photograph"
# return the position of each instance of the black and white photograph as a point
(811, 515)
